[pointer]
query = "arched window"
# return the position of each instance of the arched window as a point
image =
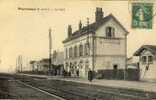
(110, 32)
(81, 50)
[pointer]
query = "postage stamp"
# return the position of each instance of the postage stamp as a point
(142, 14)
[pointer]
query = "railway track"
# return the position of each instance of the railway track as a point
(41, 90)
(73, 91)
(11, 88)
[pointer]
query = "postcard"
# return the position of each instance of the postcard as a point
(78, 49)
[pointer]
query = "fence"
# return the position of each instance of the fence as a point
(131, 74)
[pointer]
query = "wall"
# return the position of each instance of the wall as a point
(79, 62)
(120, 33)
(110, 51)
(110, 46)
(107, 62)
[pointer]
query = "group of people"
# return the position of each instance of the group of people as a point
(90, 74)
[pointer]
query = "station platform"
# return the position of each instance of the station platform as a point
(135, 85)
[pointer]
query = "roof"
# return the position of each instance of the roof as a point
(45, 60)
(32, 62)
(91, 28)
(57, 60)
(151, 48)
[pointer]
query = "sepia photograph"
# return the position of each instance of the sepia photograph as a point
(78, 50)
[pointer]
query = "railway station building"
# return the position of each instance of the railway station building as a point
(99, 46)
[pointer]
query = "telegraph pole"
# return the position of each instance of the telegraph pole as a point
(17, 70)
(50, 55)
(88, 31)
(20, 63)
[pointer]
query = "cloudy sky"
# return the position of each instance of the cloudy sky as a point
(25, 32)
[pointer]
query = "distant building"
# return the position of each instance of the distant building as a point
(147, 62)
(34, 65)
(98, 46)
(58, 58)
(43, 64)
(57, 61)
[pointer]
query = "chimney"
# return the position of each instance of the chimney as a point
(98, 14)
(69, 30)
(80, 25)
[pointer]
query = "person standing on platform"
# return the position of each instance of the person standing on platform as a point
(90, 75)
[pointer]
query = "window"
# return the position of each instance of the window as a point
(66, 53)
(86, 67)
(66, 66)
(150, 59)
(81, 64)
(110, 32)
(70, 52)
(144, 59)
(75, 51)
(86, 50)
(81, 50)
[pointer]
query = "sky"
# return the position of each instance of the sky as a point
(25, 32)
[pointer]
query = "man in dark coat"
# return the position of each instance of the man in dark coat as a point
(90, 75)
(77, 72)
